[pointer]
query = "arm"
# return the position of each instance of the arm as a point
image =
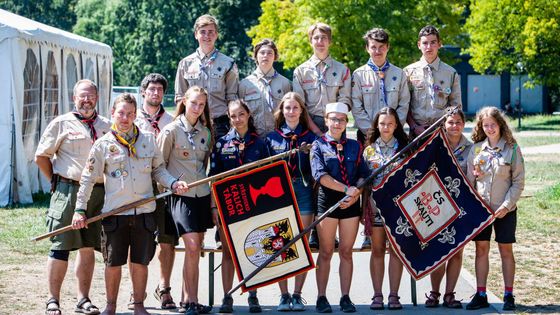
(404, 99)
(455, 96)
(181, 84)
(358, 109)
(232, 83)
(93, 170)
(345, 92)
(45, 166)
(517, 180)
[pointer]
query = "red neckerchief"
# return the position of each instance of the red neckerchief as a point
(339, 148)
(292, 138)
(89, 122)
(242, 146)
(155, 120)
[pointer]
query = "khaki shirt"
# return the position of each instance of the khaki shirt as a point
(181, 157)
(254, 92)
(367, 96)
(447, 90)
(143, 123)
(503, 173)
(67, 141)
(461, 152)
(127, 179)
(336, 88)
(220, 80)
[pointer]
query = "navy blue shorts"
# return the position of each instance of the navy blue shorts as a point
(504, 229)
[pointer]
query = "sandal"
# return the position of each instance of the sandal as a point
(53, 307)
(450, 302)
(131, 303)
(377, 302)
(432, 300)
(86, 307)
(393, 302)
(166, 304)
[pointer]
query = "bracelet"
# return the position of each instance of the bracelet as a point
(80, 211)
(345, 189)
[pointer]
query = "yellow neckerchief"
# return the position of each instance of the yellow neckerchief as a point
(129, 145)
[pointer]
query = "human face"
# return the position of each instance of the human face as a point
(491, 129)
(85, 100)
(194, 107)
(124, 115)
(429, 46)
(320, 43)
(153, 95)
(336, 122)
(454, 126)
(386, 125)
(377, 52)
(291, 111)
(206, 37)
(265, 57)
(239, 118)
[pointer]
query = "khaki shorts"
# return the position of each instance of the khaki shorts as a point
(61, 211)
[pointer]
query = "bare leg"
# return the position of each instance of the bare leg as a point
(166, 257)
(193, 243)
(112, 283)
(377, 258)
(508, 263)
(85, 263)
(395, 272)
(453, 271)
(139, 277)
(481, 262)
(56, 270)
(227, 264)
(436, 276)
(348, 230)
(300, 279)
(327, 232)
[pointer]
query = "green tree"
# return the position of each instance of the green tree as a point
(57, 13)
(505, 33)
(287, 21)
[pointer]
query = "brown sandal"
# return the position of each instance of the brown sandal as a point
(166, 304)
(377, 302)
(450, 302)
(393, 302)
(432, 300)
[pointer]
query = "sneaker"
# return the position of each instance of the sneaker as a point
(298, 303)
(191, 309)
(366, 244)
(227, 305)
(285, 301)
(478, 301)
(254, 306)
(323, 305)
(509, 303)
(346, 305)
(203, 309)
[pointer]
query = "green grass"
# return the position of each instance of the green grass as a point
(532, 141)
(537, 122)
(540, 214)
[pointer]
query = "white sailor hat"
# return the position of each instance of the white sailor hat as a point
(336, 108)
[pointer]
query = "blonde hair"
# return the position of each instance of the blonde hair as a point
(205, 20)
(491, 111)
(324, 28)
(205, 119)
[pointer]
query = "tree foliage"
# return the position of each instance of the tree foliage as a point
(286, 22)
(57, 13)
(507, 32)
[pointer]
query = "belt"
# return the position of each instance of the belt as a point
(73, 182)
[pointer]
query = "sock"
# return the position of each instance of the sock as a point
(508, 291)
(481, 291)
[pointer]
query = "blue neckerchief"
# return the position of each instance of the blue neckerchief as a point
(381, 74)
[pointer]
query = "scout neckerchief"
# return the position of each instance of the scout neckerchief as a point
(191, 134)
(390, 153)
(154, 121)
(122, 141)
(292, 138)
(430, 80)
(381, 74)
(268, 88)
(459, 150)
(241, 145)
(89, 122)
(338, 146)
(322, 74)
(205, 65)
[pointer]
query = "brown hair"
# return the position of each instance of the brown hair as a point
(126, 98)
(279, 118)
(491, 111)
(242, 103)
(457, 111)
(377, 34)
(205, 119)
(429, 30)
(205, 20)
(324, 28)
(399, 134)
(153, 78)
(265, 42)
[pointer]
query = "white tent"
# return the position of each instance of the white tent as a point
(39, 66)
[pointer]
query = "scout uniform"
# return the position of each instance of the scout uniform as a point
(217, 74)
(374, 89)
(155, 123)
(262, 93)
(231, 151)
(343, 161)
(321, 82)
(67, 142)
(434, 87)
(461, 152)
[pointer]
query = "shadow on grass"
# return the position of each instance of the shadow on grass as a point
(539, 309)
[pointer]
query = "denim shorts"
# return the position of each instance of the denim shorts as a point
(304, 196)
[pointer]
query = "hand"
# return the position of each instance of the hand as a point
(477, 171)
(353, 191)
(304, 147)
(180, 187)
(348, 201)
(79, 221)
(215, 217)
(418, 129)
(501, 212)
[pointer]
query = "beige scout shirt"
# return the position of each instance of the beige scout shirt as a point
(143, 123)
(67, 141)
(220, 79)
(447, 90)
(503, 173)
(254, 91)
(367, 96)
(335, 86)
(127, 179)
(461, 152)
(185, 157)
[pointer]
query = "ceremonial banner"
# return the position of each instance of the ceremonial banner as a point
(259, 213)
(430, 210)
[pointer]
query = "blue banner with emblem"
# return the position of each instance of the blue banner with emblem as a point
(429, 208)
(259, 213)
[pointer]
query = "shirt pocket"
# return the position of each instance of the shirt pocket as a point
(216, 80)
(182, 152)
(368, 94)
(145, 160)
(77, 142)
(333, 86)
(311, 92)
(192, 77)
(392, 92)
(442, 92)
(503, 168)
(253, 100)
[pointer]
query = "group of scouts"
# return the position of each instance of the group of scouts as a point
(96, 165)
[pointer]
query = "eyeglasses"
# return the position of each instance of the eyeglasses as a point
(335, 120)
(87, 96)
